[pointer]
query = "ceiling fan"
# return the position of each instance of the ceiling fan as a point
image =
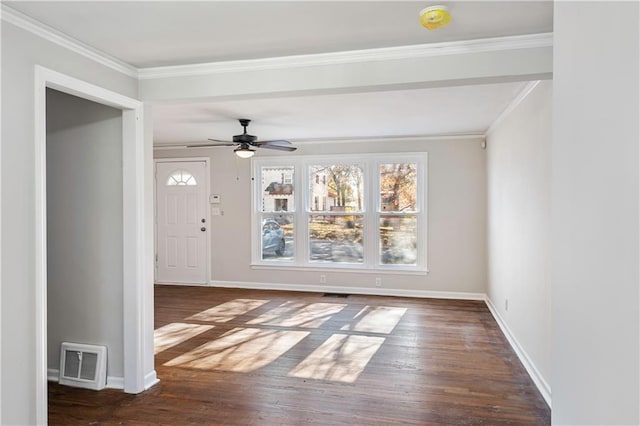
(246, 141)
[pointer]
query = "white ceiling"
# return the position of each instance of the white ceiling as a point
(375, 114)
(160, 33)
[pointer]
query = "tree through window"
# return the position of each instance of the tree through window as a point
(398, 228)
(336, 226)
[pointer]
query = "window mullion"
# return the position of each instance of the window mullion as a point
(302, 217)
(371, 194)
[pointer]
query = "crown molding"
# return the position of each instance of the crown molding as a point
(395, 138)
(38, 28)
(33, 26)
(355, 56)
(526, 90)
(342, 140)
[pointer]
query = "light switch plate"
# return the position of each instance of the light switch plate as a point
(214, 199)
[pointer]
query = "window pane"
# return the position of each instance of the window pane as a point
(335, 239)
(277, 189)
(398, 187)
(398, 240)
(277, 237)
(336, 188)
(181, 178)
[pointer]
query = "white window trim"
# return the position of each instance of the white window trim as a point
(371, 211)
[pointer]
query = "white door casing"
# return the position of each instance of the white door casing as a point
(137, 277)
(182, 222)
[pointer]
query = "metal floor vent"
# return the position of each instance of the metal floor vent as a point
(83, 366)
(336, 295)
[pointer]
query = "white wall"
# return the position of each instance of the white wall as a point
(595, 216)
(21, 51)
(519, 226)
(84, 227)
(456, 216)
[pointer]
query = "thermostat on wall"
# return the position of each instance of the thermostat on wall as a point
(214, 199)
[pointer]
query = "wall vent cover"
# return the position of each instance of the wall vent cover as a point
(83, 366)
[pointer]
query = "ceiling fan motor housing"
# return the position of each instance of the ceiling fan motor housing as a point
(245, 138)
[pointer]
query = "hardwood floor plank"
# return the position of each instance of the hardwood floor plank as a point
(436, 362)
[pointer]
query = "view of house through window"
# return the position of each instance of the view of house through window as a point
(277, 227)
(367, 211)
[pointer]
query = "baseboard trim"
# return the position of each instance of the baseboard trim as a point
(53, 375)
(350, 290)
(150, 379)
(533, 372)
(183, 283)
(115, 382)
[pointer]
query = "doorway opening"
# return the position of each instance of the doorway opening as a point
(136, 250)
(84, 230)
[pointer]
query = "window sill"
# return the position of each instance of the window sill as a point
(337, 269)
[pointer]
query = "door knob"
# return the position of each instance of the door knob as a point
(203, 229)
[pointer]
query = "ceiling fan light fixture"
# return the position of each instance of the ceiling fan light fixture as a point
(244, 151)
(434, 17)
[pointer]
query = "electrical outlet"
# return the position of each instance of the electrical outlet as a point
(323, 279)
(378, 282)
(506, 304)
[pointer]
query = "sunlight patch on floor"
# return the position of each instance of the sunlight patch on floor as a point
(240, 350)
(340, 358)
(376, 319)
(296, 314)
(175, 333)
(228, 310)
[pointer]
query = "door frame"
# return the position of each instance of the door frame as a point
(208, 234)
(137, 276)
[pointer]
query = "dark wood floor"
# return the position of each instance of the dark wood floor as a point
(284, 358)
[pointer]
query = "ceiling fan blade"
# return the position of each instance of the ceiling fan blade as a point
(217, 143)
(278, 147)
(280, 142)
(220, 141)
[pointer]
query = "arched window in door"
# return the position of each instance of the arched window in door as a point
(181, 178)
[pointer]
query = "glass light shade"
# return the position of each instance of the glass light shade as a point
(244, 152)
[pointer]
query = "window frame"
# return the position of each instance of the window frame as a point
(371, 211)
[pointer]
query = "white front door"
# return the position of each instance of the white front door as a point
(182, 222)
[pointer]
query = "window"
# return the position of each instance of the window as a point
(398, 222)
(277, 199)
(335, 232)
(360, 212)
(181, 178)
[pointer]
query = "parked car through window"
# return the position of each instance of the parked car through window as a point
(272, 238)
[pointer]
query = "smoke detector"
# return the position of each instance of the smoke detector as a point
(434, 17)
